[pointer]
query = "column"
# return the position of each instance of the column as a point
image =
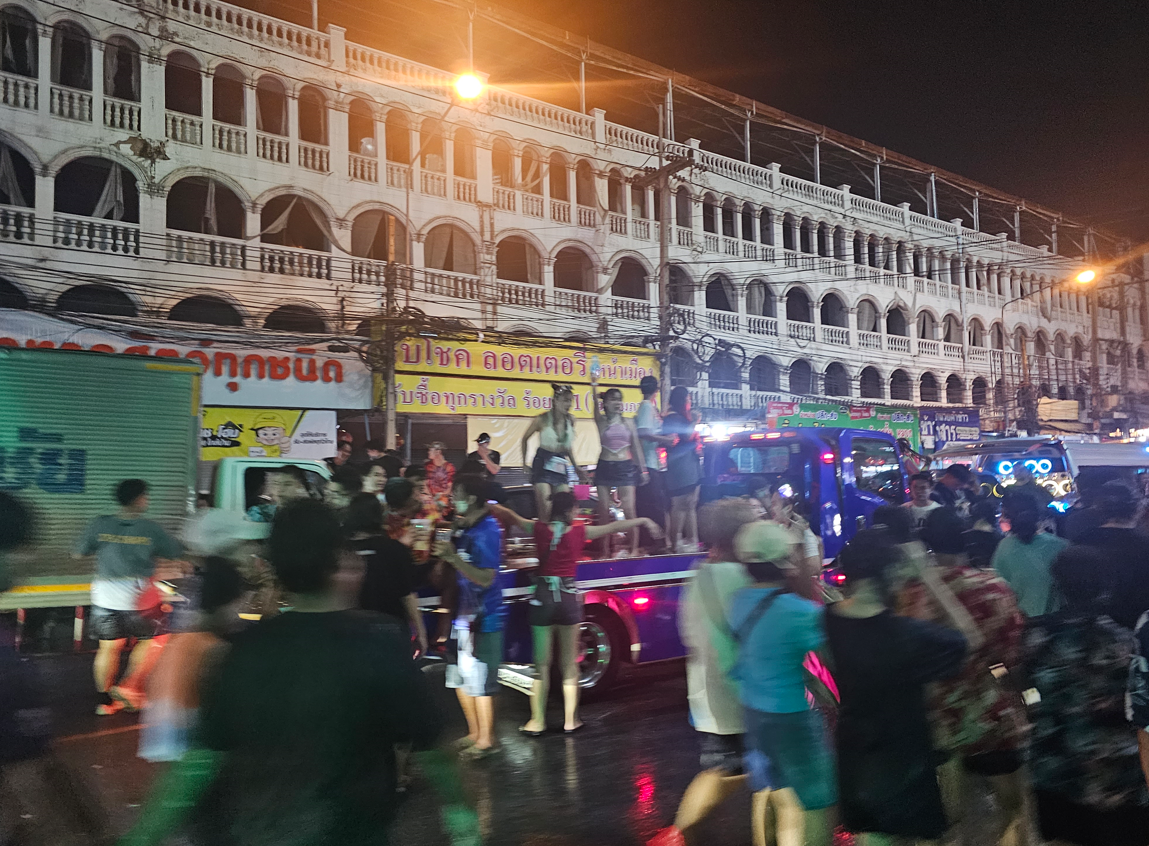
(484, 170)
(253, 225)
(816, 319)
(207, 97)
(293, 118)
(338, 138)
(250, 107)
(44, 71)
(852, 323)
(97, 81)
(783, 328)
(152, 95)
(549, 280)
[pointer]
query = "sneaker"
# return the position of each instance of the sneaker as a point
(669, 836)
(106, 709)
(128, 699)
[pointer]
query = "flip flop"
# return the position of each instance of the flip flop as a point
(529, 733)
(579, 727)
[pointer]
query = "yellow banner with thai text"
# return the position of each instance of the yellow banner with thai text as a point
(421, 394)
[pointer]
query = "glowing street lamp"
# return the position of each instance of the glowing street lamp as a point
(468, 86)
(1086, 276)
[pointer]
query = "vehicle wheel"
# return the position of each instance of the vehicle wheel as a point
(601, 651)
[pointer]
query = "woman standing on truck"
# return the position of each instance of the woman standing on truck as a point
(683, 472)
(556, 610)
(621, 464)
(555, 428)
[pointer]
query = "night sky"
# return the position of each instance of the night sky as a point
(1047, 100)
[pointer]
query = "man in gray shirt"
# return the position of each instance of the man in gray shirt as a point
(126, 547)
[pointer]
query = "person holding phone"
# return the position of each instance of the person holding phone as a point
(621, 465)
(555, 455)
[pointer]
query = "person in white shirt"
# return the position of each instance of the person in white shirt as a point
(920, 504)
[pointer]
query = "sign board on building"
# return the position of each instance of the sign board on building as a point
(949, 426)
(420, 394)
(899, 422)
(234, 375)
(266, 432)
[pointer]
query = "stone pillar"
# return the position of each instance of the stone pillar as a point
(484, 170)
(549, 279)
(338, 138)
(783, 328)
(44, 71)
(572, 193)
(417, 257)
(293, 120)
(153, 95)
(852, 323)
(337, 39)
(97, 81)
(249, 112)
(599, 117)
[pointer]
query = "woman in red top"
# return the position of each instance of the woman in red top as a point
(555, 606)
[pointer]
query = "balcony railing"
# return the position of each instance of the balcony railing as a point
(722, 321)
(17, 224)
(640, 229)
(229, 139)
(800, 331)
(504, 198)
(684, 316)
(560, 211)
(89, 233)
(870, 340)
(466, 190)
(441, 283)
(951, 350)
(627, 309)
(186, 129)
(314, 157)
(363, 168)
(19, 92)
(617, 223)
(587, 217)
(207, 250)
(532, 205)
(521, 294)
(836, 335)
(729, 398)
(288, 261)
(121, 114)
(927, 347)
(368, 271)
(576, 302)
(710, 242)
(730, 246)
(685, 237)
(433, 184)
(398, 176)
(762, 326)
(70, 103)
(897, 343)
(273, 148)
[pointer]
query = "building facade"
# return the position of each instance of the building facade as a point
(195, 163)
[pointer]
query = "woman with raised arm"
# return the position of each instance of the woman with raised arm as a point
(555, 428)
(556, 609)
(621, 464)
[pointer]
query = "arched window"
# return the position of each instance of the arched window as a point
(834, 311)
(1060, 346)
(928, 386)
(361, 129)
(710, 214)
(868, 317)
(870, 383)
(978, 390)
(976, 333)
(681, 288)
(447, 247)
(295, 318)
(182, 81)
(682, 215)
(724, 373)
(824, 242)
(17, 180)
(806, 235)
(720, 294)
(375, 233)
(766, 226)
(270, 106)
(213, 311)
(789, 232)
(574, 270)
(312, 116)
(584, 184)
(997, 337)
(859, 248)
(837, 381)
(798, 306)
(122, 69)
(927, 326)
(729, 218)
(557, 171)
(900, 386)
(896, 323)
(1078, 350)
(464, 153)
(615, 193)
(841, 248)
(12, 297)
(531, 171)
(760, 300)
(96, 299)
(95, 187)
(503, 163)
(227, 96)
(71, 56)
(638, 202)
(801, 378)
(763, 375)
(629, 280)
(1040, 348)
(955, 391)
(951, 329)
(293, 221)
(199, 204)
(517, 260)
(683, 368)
(20, 55)
(397, 136)
(432, 147)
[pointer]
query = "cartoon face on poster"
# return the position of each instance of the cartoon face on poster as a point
(267, 433)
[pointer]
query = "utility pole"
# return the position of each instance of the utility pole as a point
(1095, 343)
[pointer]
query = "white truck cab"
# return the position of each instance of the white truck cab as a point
(236, 484)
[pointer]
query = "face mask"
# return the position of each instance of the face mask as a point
(461, 506)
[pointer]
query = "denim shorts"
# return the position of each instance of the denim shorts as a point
(791, 750)
(555, 602)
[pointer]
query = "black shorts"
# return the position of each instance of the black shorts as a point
(616, 474)
(721, 752)
(110, 624)
(556, 602)
(540, 475)
(686, 491)
(998, 763)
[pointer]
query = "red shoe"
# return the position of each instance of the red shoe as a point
(670, 836)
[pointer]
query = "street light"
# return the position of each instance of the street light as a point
(468, 86)
(1086, 276)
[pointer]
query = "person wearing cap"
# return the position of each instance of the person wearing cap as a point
(440, 476)
(786, 749)
(484, 460)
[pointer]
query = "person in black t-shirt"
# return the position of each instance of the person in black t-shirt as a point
(300, 727)
(389, 575)
(484, 461)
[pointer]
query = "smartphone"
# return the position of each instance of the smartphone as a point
(443, 534)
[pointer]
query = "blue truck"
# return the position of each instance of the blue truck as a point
(631, 605)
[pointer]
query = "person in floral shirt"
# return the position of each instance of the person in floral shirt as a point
(440, 477)
(978, 718)
(1089, 785)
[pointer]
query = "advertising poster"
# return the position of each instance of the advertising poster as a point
(266, 433)
(899, 422)
(949, 426)
(511, 398)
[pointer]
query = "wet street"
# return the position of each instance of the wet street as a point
(614, 783)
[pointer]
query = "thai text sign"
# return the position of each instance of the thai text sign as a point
(949, 426)
(563, 362)
(270, 433)
(899, 422)
(512, 398)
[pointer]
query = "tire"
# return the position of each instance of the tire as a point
(602, 647)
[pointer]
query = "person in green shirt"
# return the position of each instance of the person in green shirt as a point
(1024, 558)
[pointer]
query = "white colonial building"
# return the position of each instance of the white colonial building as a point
(296, 163)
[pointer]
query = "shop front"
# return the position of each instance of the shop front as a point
(898, 422)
